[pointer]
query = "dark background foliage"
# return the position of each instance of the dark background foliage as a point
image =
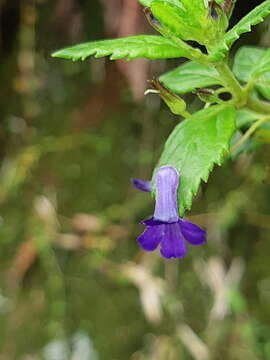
(72, 277)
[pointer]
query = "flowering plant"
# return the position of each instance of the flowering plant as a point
(221, 129)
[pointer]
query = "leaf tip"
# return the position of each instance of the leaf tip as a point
(55, 54)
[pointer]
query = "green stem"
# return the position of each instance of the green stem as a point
(231, 83)
(242, 96)
(195, 54)
(249, 132)
(221, 91)
(186, 114)
(261, 107)
(249, 87)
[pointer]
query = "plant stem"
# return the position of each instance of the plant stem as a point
(230, 82)
(186, 114)
(248, 133)
(258, 106)
(241, 95)
(249, 87)
(195, 54)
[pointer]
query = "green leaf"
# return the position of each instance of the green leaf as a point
(256, 16)
(264, 89)
(147, 46)
(145, 2)
(245, 60)
(254, 63)
(183, 4)
(263, 65)
(189, 77)
(262, 135)
(174, 19)
(245, 118)
(195, 145)
(190, 20)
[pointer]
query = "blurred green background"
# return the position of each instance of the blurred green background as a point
(73, 282)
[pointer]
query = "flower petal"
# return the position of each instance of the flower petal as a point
(142, 185)
(192, 233)
(173, 243)
(151, 222)
(151, 237)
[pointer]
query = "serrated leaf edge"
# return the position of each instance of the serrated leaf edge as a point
(186, 206)
(119, 53)
(234, 34)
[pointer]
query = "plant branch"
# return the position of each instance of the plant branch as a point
(261, 107)
(249, 87)
(195, 54)
(230, 82)
(242, 96)
(249, 132)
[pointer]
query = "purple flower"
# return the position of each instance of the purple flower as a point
(166, 228)
(145, 186)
